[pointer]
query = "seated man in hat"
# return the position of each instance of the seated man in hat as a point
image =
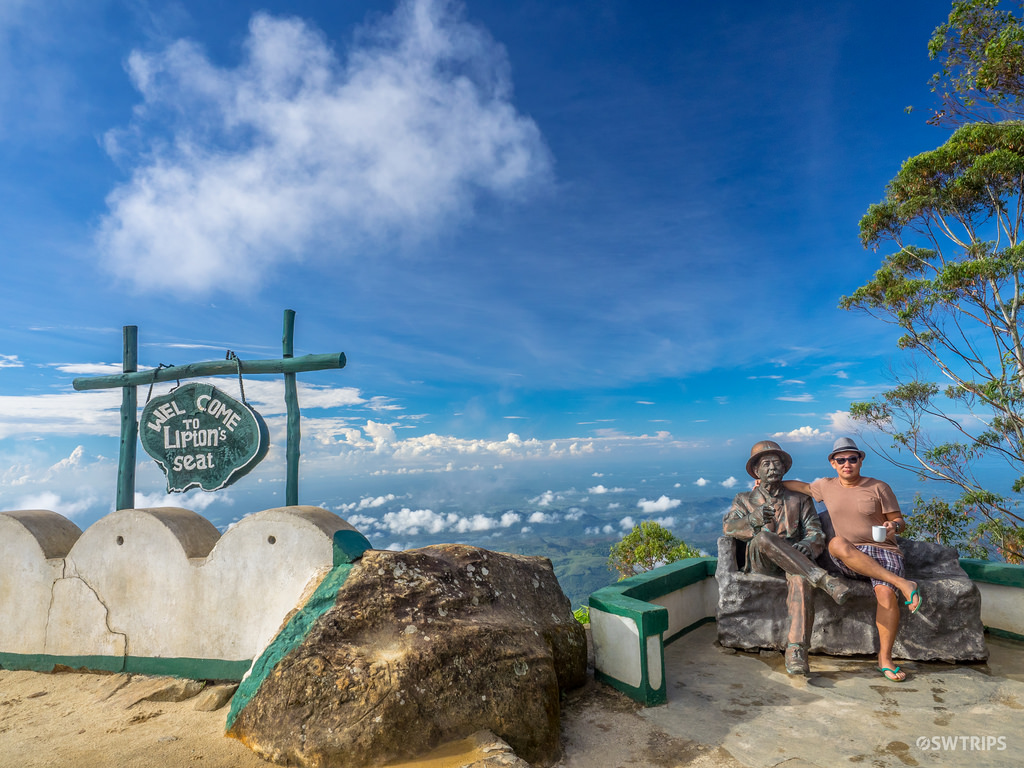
(856, 503)
(783, 536)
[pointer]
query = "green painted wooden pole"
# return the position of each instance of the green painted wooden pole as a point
(291, 400)
(213, 368)
(129, 423)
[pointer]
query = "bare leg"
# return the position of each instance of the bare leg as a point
(868, 566)
(887, 619)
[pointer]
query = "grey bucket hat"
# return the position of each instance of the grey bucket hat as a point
(844, 445)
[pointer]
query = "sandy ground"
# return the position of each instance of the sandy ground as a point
(76, 720)
(724, 710)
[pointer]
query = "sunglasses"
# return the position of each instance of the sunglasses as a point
(840, 460)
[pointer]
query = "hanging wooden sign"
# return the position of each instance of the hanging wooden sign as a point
(202, 437)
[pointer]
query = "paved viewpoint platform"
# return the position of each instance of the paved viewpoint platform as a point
(735, 709)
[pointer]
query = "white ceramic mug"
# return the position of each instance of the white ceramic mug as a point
(878, 532)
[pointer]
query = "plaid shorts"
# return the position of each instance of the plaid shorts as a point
(891, 561)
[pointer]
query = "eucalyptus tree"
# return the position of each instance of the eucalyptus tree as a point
(980, 50)
(954, 286)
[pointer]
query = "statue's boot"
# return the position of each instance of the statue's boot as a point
(793, 561)
(796, 659)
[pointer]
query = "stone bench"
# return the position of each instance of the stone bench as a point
(752, 609)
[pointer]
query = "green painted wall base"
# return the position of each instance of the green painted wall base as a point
(195, 669)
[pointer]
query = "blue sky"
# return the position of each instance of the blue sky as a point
(554, 239)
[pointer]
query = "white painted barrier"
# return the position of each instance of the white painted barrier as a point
(157, 590)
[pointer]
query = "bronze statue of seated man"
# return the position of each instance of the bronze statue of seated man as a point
(783, 536)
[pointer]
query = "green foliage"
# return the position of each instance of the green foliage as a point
(647, 546)
(981, 53)
(935, 520)
(955, 288)
(582, 614)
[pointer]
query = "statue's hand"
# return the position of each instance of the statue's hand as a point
(801, 547)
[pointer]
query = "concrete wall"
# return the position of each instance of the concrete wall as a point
(631, 621)
(1002, 595)
(158, 589)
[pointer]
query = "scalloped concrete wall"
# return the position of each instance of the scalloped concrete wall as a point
(157, 584)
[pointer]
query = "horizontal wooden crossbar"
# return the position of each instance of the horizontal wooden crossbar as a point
(213, 368)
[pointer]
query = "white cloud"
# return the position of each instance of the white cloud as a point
(367, 502)
(474, 523)
(599, 489)
(663, 504)
(196, 501)
(75, 413)
(411, 522)
(57, 503)
(841, 423)
(544, 499)
(626, 523)
(806, 397)
(542, 517)
(382, 434)
(729, 482)
(700, 481)
(10, 361)
(293, 148)
(803, 435)
(92, 369)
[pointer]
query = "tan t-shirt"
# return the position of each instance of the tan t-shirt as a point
(854, 510)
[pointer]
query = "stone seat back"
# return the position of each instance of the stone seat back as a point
(752, 609)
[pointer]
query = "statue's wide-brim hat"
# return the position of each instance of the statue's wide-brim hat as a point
(767, 446)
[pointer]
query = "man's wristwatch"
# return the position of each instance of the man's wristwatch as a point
(898, 524)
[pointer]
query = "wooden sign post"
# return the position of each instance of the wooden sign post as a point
(132, 378)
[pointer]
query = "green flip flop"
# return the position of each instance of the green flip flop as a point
(895, 671)
(920, 601)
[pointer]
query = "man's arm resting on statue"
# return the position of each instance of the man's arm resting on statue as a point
(797, 486)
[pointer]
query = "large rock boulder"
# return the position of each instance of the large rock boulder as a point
(423, 647)
(752, 610)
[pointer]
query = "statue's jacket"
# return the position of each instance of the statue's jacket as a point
(795, 520)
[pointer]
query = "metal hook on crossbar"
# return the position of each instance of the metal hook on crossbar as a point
(238, 362)
(153, 381)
